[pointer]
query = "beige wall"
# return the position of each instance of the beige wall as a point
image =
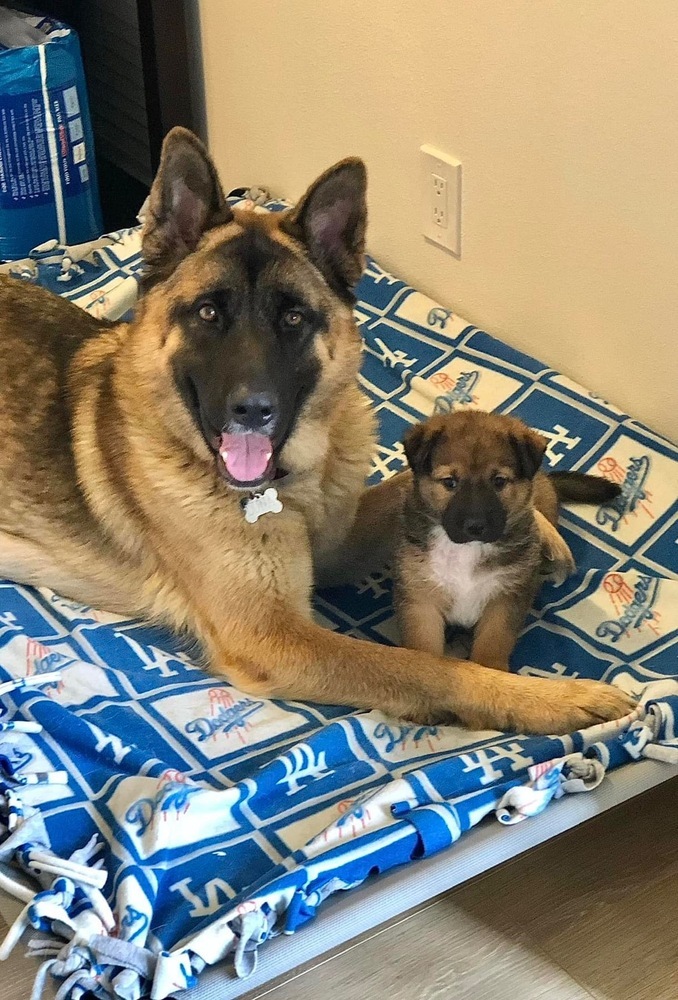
(565, 117)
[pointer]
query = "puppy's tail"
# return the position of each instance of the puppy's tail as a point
(577, 487)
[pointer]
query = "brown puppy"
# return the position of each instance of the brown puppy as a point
(472, 552)
(132, 456)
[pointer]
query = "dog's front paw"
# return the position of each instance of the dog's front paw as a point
(576, 704)
(557, 571)
(592, 702)
(557, 560)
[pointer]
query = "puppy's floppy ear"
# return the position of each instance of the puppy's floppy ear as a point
(528, 448)
(419, 444)
(186, 200)
(330, 222)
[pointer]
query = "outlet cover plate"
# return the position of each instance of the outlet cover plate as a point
(436, 164)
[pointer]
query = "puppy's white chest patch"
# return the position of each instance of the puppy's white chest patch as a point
(467, 583)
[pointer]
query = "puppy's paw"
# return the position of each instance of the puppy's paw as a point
(557, 560)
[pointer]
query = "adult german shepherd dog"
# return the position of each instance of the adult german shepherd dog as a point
(129, 453)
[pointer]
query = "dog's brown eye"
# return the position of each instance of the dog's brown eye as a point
(499, 482)
(450, 483)
(208, 313)
(293, 318)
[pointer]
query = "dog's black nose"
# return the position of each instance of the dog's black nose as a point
(474, 528)
(252, 411)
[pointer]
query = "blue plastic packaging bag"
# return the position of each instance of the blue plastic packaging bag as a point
(48, 183)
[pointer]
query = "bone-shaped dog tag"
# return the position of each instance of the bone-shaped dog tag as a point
(262, 503)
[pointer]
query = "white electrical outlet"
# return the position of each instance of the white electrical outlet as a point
(441, 199)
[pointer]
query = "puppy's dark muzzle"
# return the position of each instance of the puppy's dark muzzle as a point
(476, 530)
(474, 514)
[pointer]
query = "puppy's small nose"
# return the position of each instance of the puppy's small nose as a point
(474, 528)
(253, 411)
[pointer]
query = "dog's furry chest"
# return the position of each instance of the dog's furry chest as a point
(467, 579)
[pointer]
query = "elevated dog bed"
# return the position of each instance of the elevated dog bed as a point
(175, 821)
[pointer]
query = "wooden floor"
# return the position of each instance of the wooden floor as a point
(593, 913)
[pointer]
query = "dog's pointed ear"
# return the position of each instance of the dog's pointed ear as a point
(528, 448)
(330, 222)
(419, 444)
(186, 200)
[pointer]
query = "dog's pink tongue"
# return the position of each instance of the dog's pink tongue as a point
(246, 456)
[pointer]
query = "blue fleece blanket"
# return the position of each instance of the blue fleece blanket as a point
(161, 820)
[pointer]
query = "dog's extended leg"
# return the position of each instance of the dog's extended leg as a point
(369, 543)
(290, 657)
